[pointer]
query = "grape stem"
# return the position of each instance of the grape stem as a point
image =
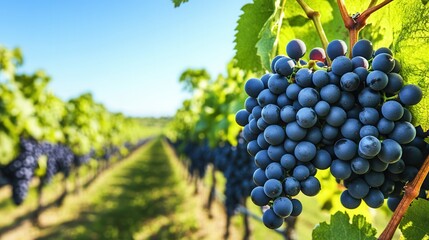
(412, 190)
(279, 28)
(315, 17)
(356, 23)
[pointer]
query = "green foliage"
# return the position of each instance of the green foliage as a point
(414, 225)
(253, 19)
(177, 3)
(341, 228)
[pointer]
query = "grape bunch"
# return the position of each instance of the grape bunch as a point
(238, 174)
(60, 159)
(351, 117)
(20, 171)
(200, 156)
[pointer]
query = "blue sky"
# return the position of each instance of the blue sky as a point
(129, 54)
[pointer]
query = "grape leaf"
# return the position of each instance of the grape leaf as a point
(414, 224)
(265, 45)
(177, 3)
(341, 228)
(249, 25)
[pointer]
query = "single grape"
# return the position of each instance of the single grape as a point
(348, 201)
(284, 66)
(271, 220)
(317, 54)
(282, 207)
(296, 49)
(336, 48)
(259, 197)
(273, 188)
(377, 80)
(363, 48)
(383, 62)
(410, 95)
(253, 87)
(342, 65)
(310, 186)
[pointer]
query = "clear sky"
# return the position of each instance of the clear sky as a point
(128, 53)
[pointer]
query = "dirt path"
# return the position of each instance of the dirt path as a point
(146, 196)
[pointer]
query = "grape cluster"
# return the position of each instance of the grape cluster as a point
(351, 117)
(60, 159)
(238, 174)
(200, 156)
(20, 171)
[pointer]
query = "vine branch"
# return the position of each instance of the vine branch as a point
(357, 22)
(412, 190)
(279, 28)
(315, 17)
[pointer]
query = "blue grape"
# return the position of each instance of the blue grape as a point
(342, 65)
(349, 81)
(314, 135)
(271, 220)
(341, 169)
(370, 146)
(336, 117)
(330, 93)
(275, 152)
(284, 66)
(305, 151)
(283, 100)
(273, 64)
(392, 110)
(262, 125)
(265, 97)
(383, 62)
(393, 202)
(274, 134)
(288, 161)
(322, 108)
(310, 186)
(363, 48)
(347, 101)
(295, 132)
(253, 87)
(296, 49)
(359, 61)
(273, 188)
(345, 149)
(369, 116)
(306, 117)
(336, 48)
(378, 166)
(360, 165)
(289, 145)
(348, 201)
(292, 91)
(292, 186)
(265, 78)
(308, 97)
(274, 171)
(351, 129)
(259, 177)
(250, 103)
(377, 80)
(262, 160)
(395, 83)
(369, 98)
(288, 114)
(385, 126)
(297, 207)
(301, 172)
(329, 132)
(303, 77)
(391, 151)
(374, 179)
(322, 160)
(282, 207)
(410, 95)
(362, 73)
(320, 78)
(277, 84)
(241, 117)
(271, 114)
(253, 147)
(374, 199)
(396, 167)
(403, 132)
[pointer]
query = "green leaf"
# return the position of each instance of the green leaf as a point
(341, 228)
(177, 3)
(414, 225)
(425, 1)
(265, 45)
(254, 18)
